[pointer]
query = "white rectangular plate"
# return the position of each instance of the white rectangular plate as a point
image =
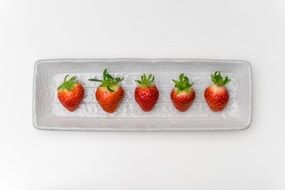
(48, 113)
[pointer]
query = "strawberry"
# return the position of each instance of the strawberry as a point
(217, 95)
(182, 95)
(146, 93)
(109, 94)
(70, 93)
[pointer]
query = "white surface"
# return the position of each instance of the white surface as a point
(48, 113)
(248, 29)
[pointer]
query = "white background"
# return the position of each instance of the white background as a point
(253, 30)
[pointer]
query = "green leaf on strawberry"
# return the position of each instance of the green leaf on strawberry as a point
(218, 80)
(108, 81)
(146, 80)
(68, 84)
(183, 83)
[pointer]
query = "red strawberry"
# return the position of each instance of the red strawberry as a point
(217, 95)
(109, 94)
(146, 93)
(70, 93)
(182, 95)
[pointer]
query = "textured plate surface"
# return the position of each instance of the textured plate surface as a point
(49, 114)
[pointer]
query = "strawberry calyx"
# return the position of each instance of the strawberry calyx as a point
(108, 81)
(182, 84)
(146, 80)
(68, 84)
(218, 80)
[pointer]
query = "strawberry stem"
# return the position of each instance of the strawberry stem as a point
(146, 80)
(218, 80)
(183, 83)
(68, 84)
(108, 80)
